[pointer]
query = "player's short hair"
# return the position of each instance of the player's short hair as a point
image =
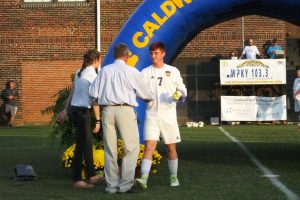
(121, 50)
(157, 45)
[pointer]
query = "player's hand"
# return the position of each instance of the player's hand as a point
(61, 116)
(150, 104)
(176, 96)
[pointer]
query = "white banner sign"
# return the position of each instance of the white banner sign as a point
(253, 108)
(253, 72)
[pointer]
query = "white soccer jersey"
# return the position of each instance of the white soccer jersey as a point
(163, 83)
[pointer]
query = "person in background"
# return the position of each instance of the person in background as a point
(250, 51)
(233, 55)
(274, 49)
(167, 85)
(296, 91)
(116, 87)
(78, 107)
(11, 96)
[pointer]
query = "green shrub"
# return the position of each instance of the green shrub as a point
(65, 129)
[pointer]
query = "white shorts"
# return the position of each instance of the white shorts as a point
(11, 109)
(156, 128)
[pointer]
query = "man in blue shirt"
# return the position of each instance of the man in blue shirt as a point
(274, 50)
(116, 87)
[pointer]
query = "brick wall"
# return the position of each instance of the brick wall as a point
(41, 45)
(114, 14)
(40, 81)
(292, 31)
(219, 40)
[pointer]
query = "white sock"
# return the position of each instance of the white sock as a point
(173, 167)
(145, 168)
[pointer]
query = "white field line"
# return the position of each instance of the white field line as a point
(266, 172)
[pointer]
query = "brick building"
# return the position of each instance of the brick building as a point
(42, 45)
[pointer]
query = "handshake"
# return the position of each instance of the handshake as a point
(178, 96)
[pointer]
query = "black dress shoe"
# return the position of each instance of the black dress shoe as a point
(128, 191)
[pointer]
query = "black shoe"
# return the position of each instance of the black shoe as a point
(132, 190)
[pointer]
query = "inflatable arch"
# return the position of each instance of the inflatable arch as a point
(177, 22)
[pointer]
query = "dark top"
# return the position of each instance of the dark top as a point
(7, 93)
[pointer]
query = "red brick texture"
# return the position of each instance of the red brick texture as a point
(42, 44)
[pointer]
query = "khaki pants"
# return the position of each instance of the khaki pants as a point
(121, 119)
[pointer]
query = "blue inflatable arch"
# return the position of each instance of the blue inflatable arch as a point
(177, 22)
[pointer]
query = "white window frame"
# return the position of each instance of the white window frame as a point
(71, 0)
(37, 1)
(52, 1)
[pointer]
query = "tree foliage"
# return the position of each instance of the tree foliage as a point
(65, 129)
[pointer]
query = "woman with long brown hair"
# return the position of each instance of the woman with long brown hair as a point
(78, 107)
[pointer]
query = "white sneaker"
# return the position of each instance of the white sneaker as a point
(141, 183)
(174, 181)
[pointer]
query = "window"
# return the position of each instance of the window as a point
(37, 1)
(27, 1)
(70, 0)
(53, 3)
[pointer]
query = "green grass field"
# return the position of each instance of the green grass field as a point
(211, 166)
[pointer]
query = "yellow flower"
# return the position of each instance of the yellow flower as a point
(68, 155)
(98, 156)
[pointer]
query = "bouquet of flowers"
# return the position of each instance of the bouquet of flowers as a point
(155, 159)
(98, 155)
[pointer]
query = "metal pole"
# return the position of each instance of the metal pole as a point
(98, 26)
(243, 32)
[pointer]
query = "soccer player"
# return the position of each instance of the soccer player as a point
(161, 119)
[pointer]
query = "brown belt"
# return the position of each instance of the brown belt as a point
(124, 104)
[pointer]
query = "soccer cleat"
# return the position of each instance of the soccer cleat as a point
(142, 182)
(174, 181)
